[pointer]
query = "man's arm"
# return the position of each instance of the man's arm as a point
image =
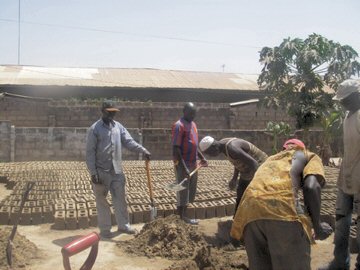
(248, 161)
(204, 162)
(179, 159)
(312, 200)
(128, 142)
(91, 142)
(232, 183)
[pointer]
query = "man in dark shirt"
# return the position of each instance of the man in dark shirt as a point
(245, 157)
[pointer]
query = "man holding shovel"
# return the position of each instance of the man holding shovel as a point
(105, 139)
(185, 152)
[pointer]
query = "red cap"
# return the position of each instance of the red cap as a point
(294, 141)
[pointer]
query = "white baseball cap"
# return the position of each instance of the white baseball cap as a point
(346, 88)
(205, 143)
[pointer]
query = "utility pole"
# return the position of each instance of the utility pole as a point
(223, 67)
(18, 62)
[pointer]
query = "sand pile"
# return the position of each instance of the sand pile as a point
(168, 237)
(208, 258)
(172, 238)
(23, 250)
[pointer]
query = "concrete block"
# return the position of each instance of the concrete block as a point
(172, 200)
(146, 213)
(91, 204)
(4, 215)
(219, 208)
(81, 206)
(30, 204)
(59, 207)
(59, 222)
(36, 215)
(137, 213)
(160, 211)
(83, 219)
(93, 217)
(168, 209)
(71, 220)
(229, 206)
(25, 216)
(14, 214)
(190, 211)
(199, 210)
(41, 203)
(48, 214)
(209, 209)
(70, 206)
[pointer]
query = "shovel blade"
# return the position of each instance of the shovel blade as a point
(175, 187)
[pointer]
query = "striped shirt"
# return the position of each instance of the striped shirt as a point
(185, 135)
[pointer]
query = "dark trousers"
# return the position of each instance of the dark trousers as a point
(186, 196)
(277, 245)
(242, 185)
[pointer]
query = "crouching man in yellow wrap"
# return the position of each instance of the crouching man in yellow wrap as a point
(276, 230)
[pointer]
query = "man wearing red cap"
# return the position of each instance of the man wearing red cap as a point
(276, 229)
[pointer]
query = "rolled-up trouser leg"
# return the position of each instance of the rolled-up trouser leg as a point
(118, 194)
(344, 206)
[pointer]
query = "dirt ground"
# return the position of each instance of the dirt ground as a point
(110, 256)
(113, 255)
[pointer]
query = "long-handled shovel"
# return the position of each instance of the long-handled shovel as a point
(153, 211)
(9, 245)
(178, 186)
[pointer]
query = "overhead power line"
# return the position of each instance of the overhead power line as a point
(130, 33)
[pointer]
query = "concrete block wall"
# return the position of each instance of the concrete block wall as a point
(5, 141)
(75, 113)
(57, 143)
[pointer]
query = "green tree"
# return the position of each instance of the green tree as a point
(277, 130)
(331, 123)
(297, 74)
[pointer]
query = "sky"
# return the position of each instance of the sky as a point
(192, 35)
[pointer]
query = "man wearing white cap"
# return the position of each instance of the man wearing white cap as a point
(245, 157)
(348, 195)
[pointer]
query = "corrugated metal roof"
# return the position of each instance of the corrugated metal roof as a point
(123, 77)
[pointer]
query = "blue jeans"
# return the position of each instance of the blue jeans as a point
(345, 203)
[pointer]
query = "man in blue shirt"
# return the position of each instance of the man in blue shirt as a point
(105, 139)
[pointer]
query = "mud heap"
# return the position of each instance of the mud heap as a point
(168, 237)
(172, 238)
(22, 252)
(208, 258)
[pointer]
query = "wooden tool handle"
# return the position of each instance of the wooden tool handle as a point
(195, 170)
(147, 166)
